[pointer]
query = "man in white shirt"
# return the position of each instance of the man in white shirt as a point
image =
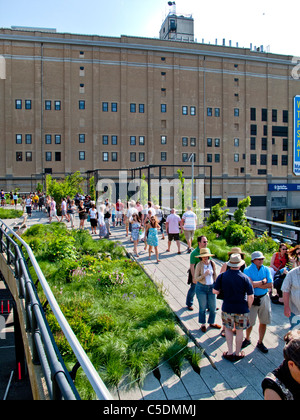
(189, 223)
(172, 228)
(291, 297)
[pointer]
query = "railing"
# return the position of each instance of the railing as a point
(275, 230)
(45, 351)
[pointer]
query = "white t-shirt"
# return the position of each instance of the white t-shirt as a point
(189, 219)
(209, 280)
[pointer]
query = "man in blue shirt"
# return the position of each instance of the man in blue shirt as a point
(261, 279)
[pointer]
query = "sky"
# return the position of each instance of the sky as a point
(260, 22)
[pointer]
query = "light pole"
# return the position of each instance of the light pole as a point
(192, 157)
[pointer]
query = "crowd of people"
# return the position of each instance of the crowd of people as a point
(246, 292)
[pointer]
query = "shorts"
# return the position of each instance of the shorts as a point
(189, 234)
(52, 213)
(94, 222)
(239, 321)
(174, 236)
(263, 311)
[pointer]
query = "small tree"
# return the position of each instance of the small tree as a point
(60, 189)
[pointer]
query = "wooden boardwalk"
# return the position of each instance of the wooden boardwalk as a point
(219, 379)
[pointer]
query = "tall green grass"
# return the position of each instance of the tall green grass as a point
(117, 313)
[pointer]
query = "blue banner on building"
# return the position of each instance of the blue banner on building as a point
(297, 135)
(284, 187)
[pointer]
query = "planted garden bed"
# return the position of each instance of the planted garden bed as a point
(118, 315)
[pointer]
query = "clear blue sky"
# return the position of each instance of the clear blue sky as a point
(260, 22)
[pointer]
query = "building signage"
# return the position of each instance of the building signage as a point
(297, 135)
(284, 187)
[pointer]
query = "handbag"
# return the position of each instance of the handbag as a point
(190, 277)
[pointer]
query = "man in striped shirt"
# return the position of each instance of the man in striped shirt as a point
(189, 223)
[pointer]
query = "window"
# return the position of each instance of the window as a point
(163, 139)
(141, 108)
(105, 156)
(236, 142)
(142, 142)
(185, 157)
(163, 156)
(57, 139)
(209, 158)
(236, 112)
(105, 140)
(18, 138)
(284, 160)
(185, 141)
(217, 112)
(104, 106)
(253, 114)
(48, 156)
(264, 114)
(185, 110)
(81, 155)
(285, 116)
(141, 157)
(132, 156)
(253, 129)
(19, 157)
(217, 158)
(252, 143)
(209, 112)
(114, 140)
(28, 139)
(263, 159)
(28, 156)
(193, 110)
(132, 107)
(114, 107)
(252, 159)
(209, 142)
(48, 139)
(274, 115)
(217, 142)
(264, 143)
(48, 105)
(27, 103)
(18, 104)
(132, 141)
(236, 157)
(57, 105)
(57, 156)
(274, 160)
(285, 145)
(114, 156)
(163, 108)
(81, 138)
(193, 141)
(81, 104)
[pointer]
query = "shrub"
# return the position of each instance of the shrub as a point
(236, 234)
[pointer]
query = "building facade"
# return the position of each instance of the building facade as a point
(73, 102)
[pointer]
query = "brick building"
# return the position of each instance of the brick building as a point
(73, 102)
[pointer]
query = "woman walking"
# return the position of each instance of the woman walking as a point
(205, 276)
(93, 219)
(152, 238)
(135, 232)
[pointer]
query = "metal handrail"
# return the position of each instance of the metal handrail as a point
(45, 347)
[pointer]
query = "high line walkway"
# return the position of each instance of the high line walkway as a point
(219, 379)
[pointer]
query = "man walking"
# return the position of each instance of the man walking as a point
(261, 279)
(189, 223)
(237, 299)
(291, 297)
(202, 243)
(172, 228)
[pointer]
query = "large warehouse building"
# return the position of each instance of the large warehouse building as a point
(73, 102)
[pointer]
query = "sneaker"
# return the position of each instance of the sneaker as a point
(246, 343)
(262, 347)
